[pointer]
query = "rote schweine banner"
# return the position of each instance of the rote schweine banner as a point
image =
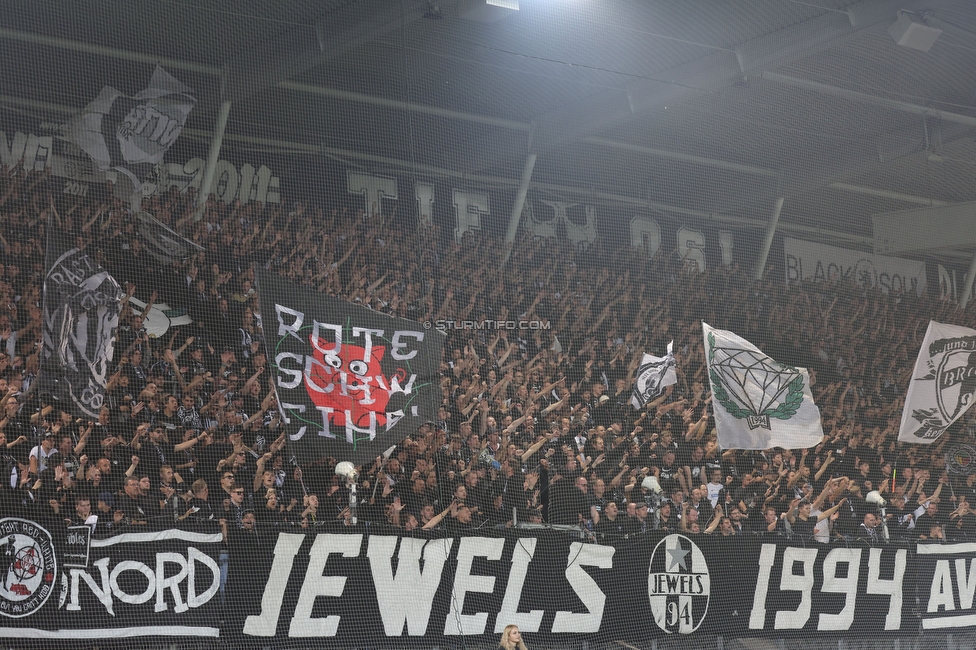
(943, 383)
(351, 382)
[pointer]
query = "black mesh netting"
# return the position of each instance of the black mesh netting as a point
(405, 325)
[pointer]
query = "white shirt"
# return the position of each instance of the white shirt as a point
(42, 456)
(713, 490)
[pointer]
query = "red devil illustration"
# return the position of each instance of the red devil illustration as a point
(347, 382)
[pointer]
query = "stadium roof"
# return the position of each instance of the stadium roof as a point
(711, 109)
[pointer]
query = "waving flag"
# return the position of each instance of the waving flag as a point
(81, 311)
(758, 402)
(943, 383)
(131, 134)
(653, 375)
(350, 381)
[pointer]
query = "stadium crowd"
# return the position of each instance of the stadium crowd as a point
(535, 425)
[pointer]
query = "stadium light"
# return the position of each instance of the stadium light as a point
(910, 30)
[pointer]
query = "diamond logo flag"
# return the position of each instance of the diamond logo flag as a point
(759, 403)
(943, 383)
(653, 375)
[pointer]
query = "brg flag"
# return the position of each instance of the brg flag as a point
(351, 382)
(759, 403)
(943, 383)
(653, 375)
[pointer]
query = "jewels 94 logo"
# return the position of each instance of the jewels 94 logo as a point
(28, 567)
(678, 585)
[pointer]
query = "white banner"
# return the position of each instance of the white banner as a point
(758, 402)
(943, 383)
(821, 263)
(653, 375)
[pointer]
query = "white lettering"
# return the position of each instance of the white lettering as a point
(833, 584)
(408, 596)
(266, 623)
(469, 209)
(767, 557)
(315, 585)
(172, 582)
(132, 599)
(691, 247)
(424, 193)
(294, 375)
(593, 598)
(471, 547)
(509, 614)
(398, 344)
(891, 587)
(941, 594)
(193, 599)
(103, 592)
(794, 620)
(645, 234)
(292, 328)
(373, 188)
(965, 585)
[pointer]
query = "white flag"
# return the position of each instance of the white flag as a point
(943, 383)
(653, 375)
(758, 402)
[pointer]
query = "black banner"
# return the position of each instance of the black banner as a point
(347, 586)
(81, 312)
(154, 583)
(351, 382)
(162, 242)
(554, 587)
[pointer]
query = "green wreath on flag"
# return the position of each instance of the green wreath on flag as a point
(786, 410)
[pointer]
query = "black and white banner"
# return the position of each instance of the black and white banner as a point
(653, 375)
(136, 584)
(348, 587)
(943, 385)
(80, 311)
(131, 134)
(351, 382)
(823, 263)
(162, 242)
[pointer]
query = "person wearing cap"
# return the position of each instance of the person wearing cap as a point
(40, 456)
(640, 523)
(666, 520)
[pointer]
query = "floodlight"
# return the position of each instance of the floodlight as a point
(910, 30)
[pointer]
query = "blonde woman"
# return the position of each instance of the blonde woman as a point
(512, 639)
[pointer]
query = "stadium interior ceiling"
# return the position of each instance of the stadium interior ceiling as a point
(703, 109)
